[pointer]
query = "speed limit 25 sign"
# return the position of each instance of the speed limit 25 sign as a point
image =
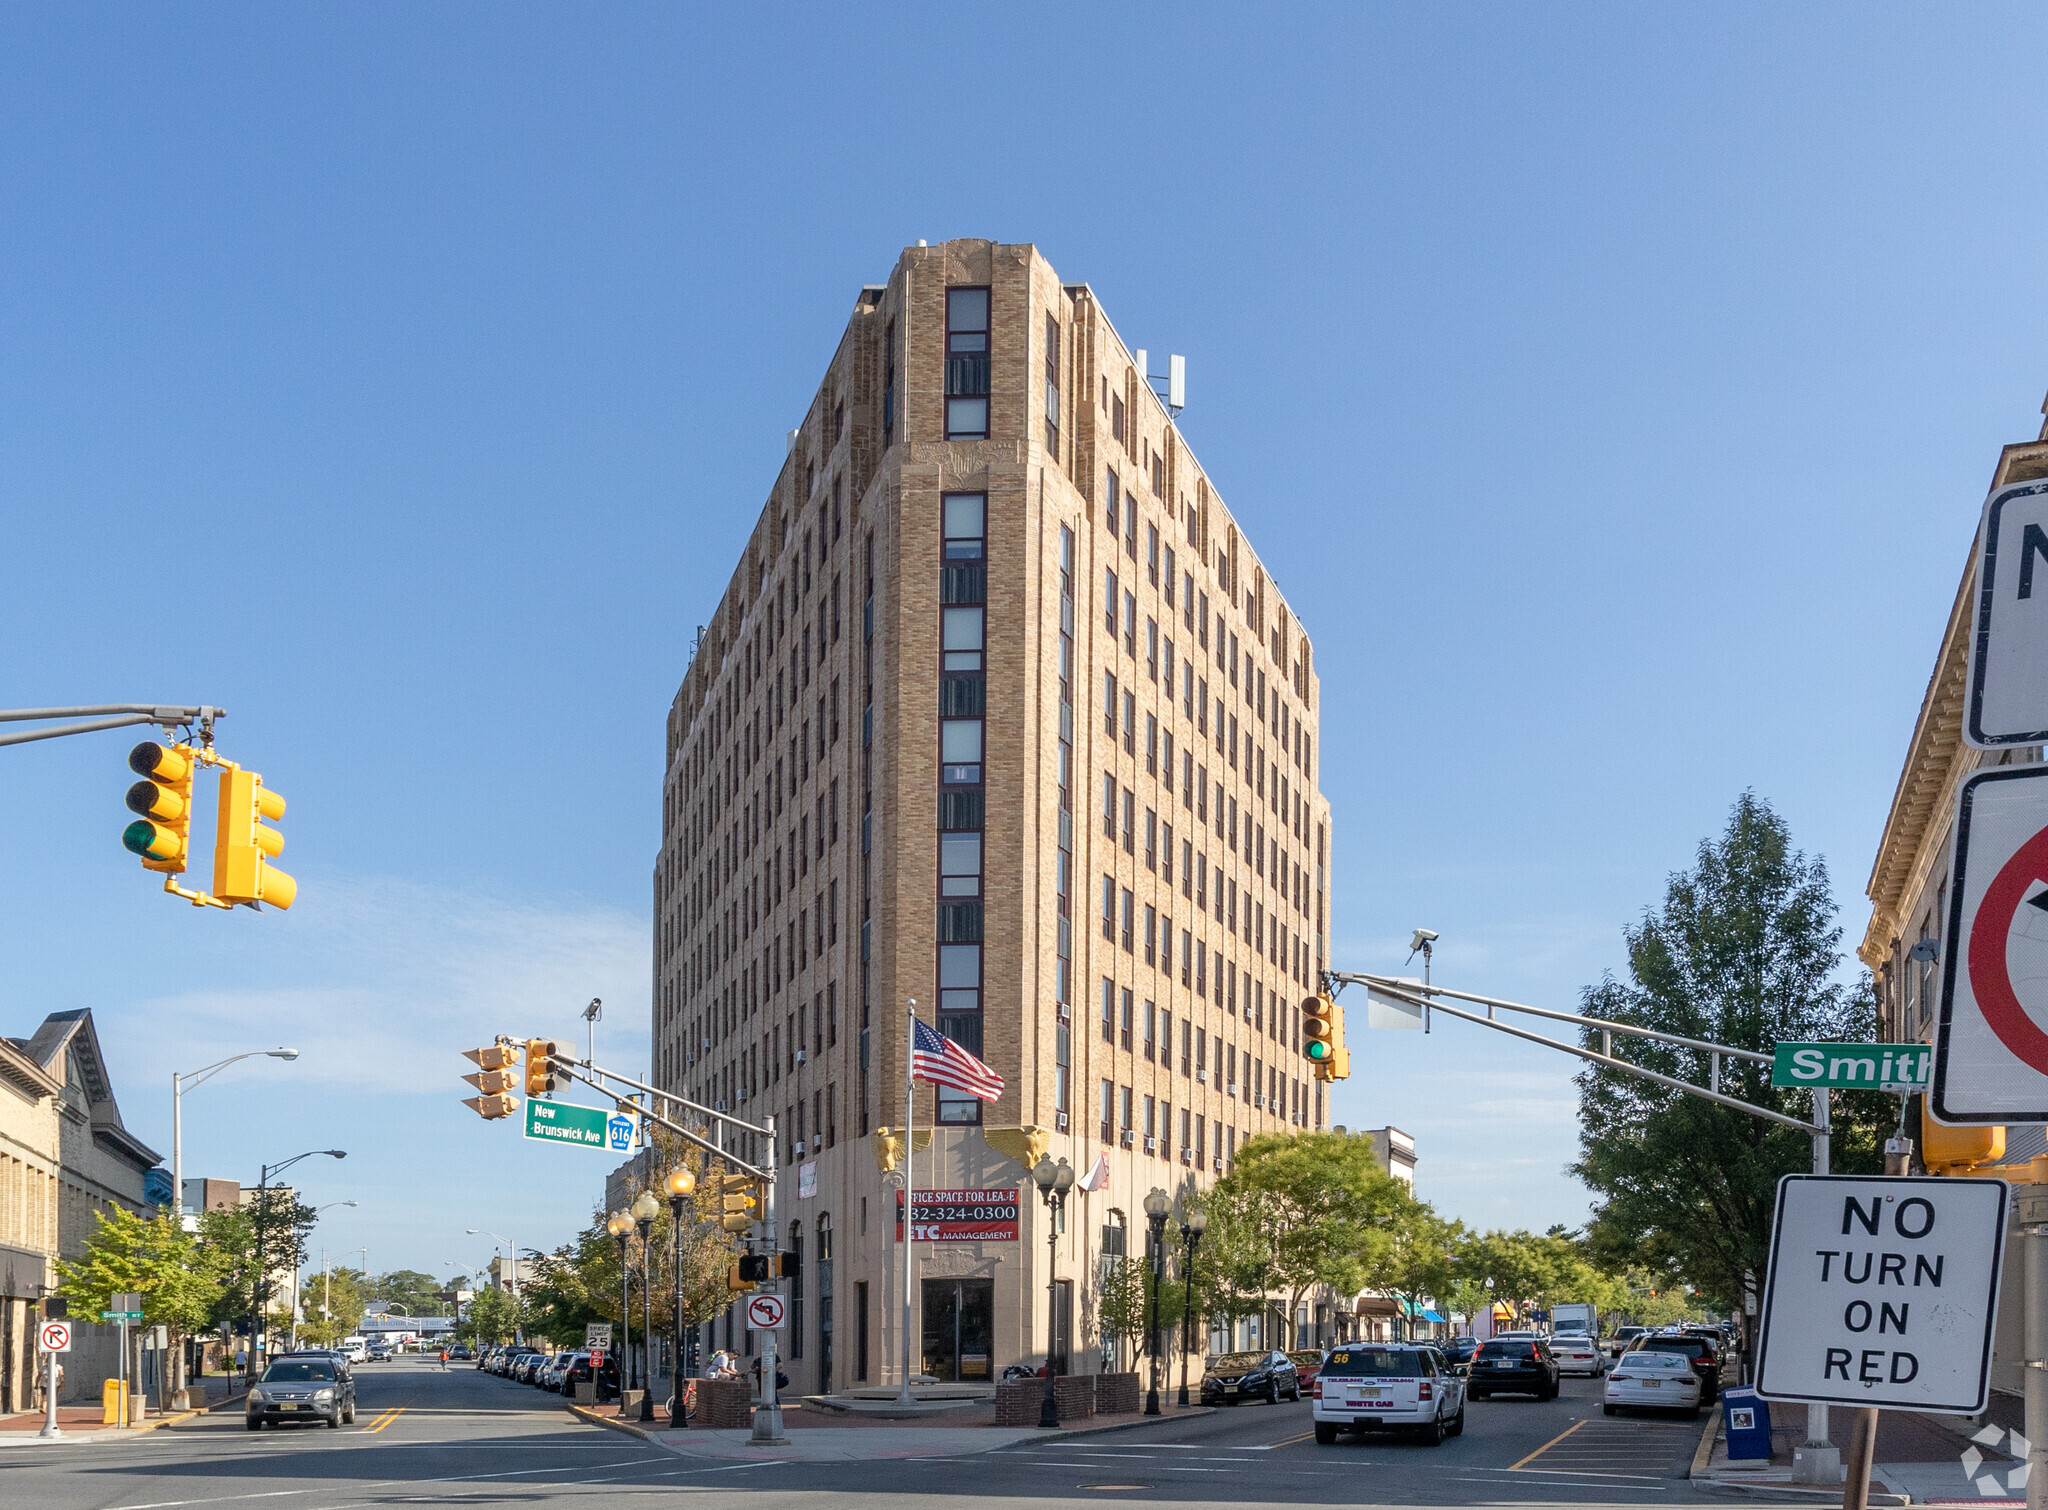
(1991, 1045)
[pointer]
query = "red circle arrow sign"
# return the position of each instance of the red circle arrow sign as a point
(1990, 972)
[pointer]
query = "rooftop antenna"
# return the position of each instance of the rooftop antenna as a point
(1176, 380)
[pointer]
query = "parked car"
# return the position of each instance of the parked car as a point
(1308, 1361)
(1513, 1365)
(1232, 1377)
(557, 1367)
(1387, 1387)
(311, 1387)
(1576, 1353)
(1460, 1349)
(1623, 1336)
(578, 1371)
(1652, 1379)
(1702, 1352)
(460, 1350)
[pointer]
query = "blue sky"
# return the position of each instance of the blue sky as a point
(1611, 389)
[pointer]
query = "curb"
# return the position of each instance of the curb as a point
(1795, 1493)
(611, 1423)
(1704, 1453)
(1193, 1412)
(138, 1428)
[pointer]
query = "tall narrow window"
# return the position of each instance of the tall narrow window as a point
(1052, 387)
(966, 364)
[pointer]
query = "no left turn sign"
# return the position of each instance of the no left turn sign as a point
(764, 1313)
(1991, 1047)
(55, 1337)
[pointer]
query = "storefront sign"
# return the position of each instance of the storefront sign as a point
(961, 1216)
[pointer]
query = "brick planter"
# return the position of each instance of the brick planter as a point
(723, 1404)
(1019, 1401)
(1075, 1396)
(1116, 1394)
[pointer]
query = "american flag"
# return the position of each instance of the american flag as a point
(944, 1062)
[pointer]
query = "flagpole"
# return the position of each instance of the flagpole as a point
(903, 1396)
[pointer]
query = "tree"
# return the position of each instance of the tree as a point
(1416, 1260)
(334, 1304)
(1745, 952)
(1300, 1210)
(154, 1258)
(420, 1294)
(1120, 1305)
(493, 1315)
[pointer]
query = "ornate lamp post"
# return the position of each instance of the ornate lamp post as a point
(620, 1226)
(679, 1184)
(1191, 1231)
(1053, 1181)
(645, 1209)
(1156, 1206)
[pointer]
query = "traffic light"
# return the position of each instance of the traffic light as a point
(543, 1076)
(495, 1080)
(244, 848)
(755, 1267)
(788, 1265)
(740, 1197)
(162, 830)
(1322, 1031)
(735, 1277)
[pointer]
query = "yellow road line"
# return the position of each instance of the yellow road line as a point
(1547, 1445)
(1290, 1441)
(387, 1418)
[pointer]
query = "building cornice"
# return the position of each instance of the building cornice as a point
(19, 1069)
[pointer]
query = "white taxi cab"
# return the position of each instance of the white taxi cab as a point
(1657, 1381)
(1372, 1387)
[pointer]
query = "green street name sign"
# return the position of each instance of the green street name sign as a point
(1853, 1066)
(120, 1316)
(557, 1122)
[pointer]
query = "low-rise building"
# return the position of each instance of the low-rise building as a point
(64, 1157)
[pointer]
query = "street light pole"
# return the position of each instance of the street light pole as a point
(181, 1083)
(1191, 1237)
(645, 1206)
(1053, 1181)
(679, 1184)
(621, 1227)
(1156, 1207)
(258, 1330)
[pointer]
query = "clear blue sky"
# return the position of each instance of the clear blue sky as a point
(1612, 389)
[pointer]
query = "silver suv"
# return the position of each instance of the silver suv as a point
(314, 1388)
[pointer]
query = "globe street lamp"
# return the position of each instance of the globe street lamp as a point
(645, 1209)
(679, 1184)
(1191, 1229)
(1053, 1181)
(1156, 1206)
(620, 1226)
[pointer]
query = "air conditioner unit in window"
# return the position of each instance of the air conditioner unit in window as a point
(1063, 1013)
(1230, 1089)
(693, 1059)
(743, 1093)
(1202, 1076)
(1062, 1122)
(1130, 1137)
(799, 1148)
(707, 1043)
(799, 1056)
(1151, 1145)
(1187, 1156)
(719, 1106)
(1259, 1100)
(1219, 1163)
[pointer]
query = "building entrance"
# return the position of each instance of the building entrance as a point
(959, 1329)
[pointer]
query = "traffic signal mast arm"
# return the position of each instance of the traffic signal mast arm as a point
(1430, 999)
(574, 1068)
(123, 714)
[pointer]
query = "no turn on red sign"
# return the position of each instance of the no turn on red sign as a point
(55, 1337)
(1991, 1046)
(764, 1312)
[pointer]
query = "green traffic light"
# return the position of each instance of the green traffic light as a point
(1317, 1049)
(149, 841)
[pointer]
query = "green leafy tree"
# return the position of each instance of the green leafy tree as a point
(1120, 1304)
(1744, 951)
(418, 1294)
(334, 1305)
(154, 1258)
(1416, 1260)
(492, 1315)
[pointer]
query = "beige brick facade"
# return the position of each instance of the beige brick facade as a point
(838, 743)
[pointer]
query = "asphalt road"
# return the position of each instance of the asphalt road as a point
(465, 1438)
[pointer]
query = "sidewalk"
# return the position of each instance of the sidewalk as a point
(1920, 1460)
(82, 1423)
(826, 1436)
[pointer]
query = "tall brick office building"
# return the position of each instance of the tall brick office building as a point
(999, 714)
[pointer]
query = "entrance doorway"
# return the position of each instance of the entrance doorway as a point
(959, 1329)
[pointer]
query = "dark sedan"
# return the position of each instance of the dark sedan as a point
(1512, 1366)
(1459, 1349)
(1269, 1376)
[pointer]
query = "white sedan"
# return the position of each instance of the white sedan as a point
(1576, 1353)
(1658, 1381)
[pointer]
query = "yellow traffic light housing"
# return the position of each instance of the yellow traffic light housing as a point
(244, 848)
(1322, 1032)
(740, 1200)
(162, 831)
(733, 1281)
(495, 1080)
(543, 1076)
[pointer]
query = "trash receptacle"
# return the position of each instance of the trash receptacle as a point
(1746, 1417)
(114, 1402)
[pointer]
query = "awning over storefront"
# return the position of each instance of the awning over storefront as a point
(1376, 1305)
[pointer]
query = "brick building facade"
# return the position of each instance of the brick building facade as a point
(1001, 715)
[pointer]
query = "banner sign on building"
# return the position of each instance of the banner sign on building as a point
(961, 1216)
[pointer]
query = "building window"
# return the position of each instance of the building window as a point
(1052, 387)
(1109, 1011)
(966, 364)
